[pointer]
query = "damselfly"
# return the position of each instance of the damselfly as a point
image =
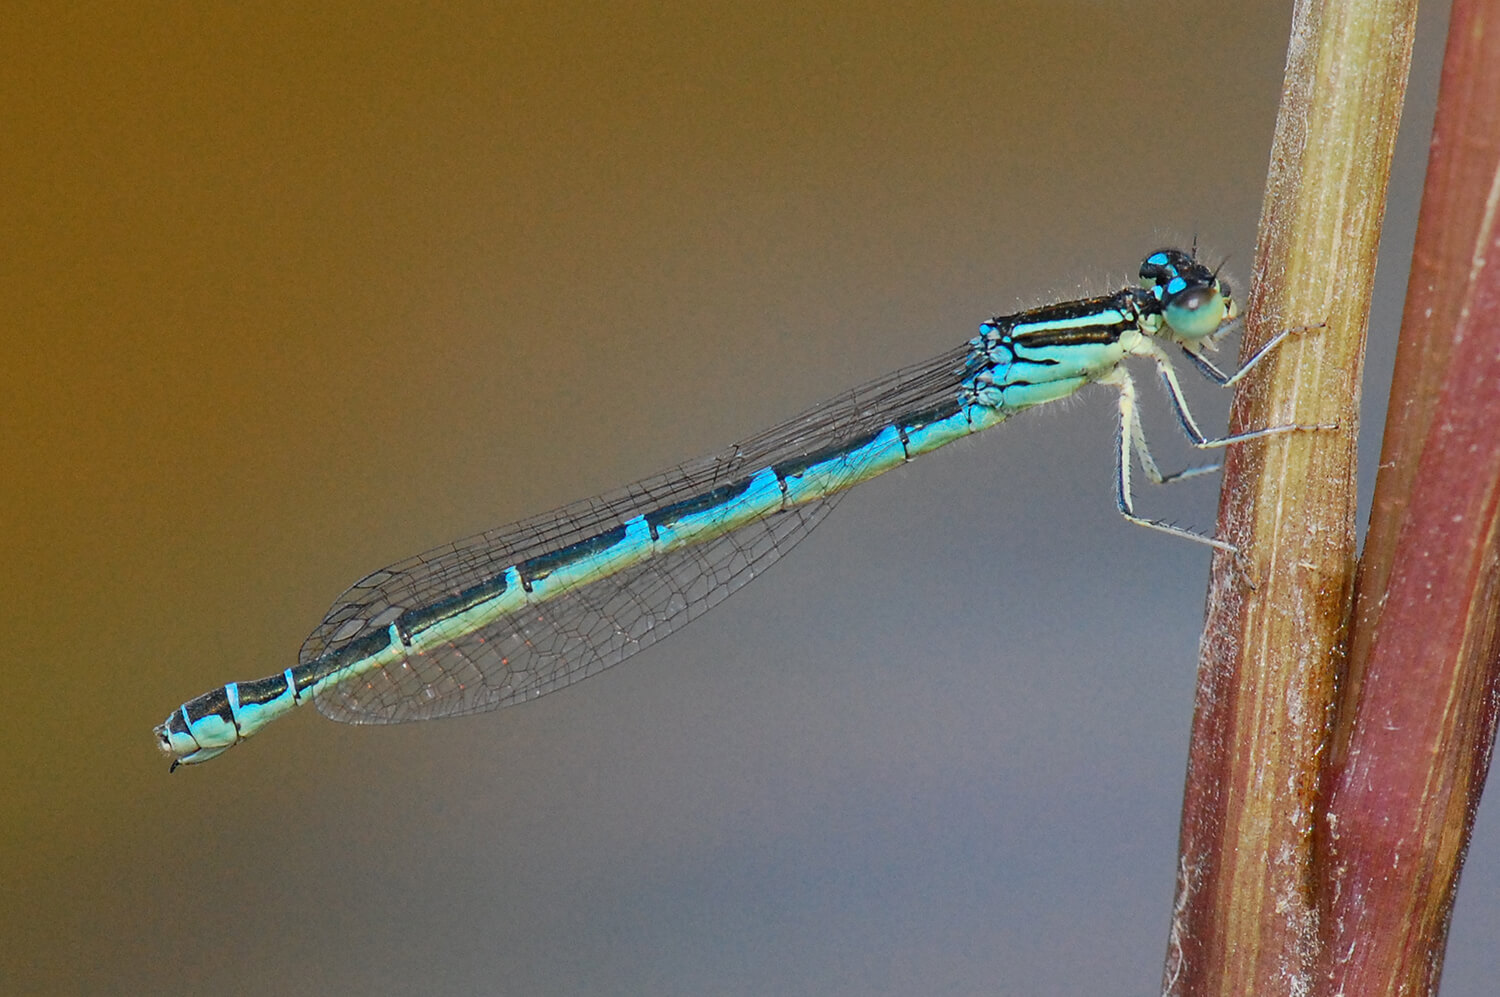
(517, 612)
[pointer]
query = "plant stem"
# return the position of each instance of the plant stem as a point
(1245, 919)
(1417, 711)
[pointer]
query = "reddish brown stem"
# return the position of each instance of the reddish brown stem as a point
(1418, 710)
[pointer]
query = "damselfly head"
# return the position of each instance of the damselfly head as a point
(1195, 302)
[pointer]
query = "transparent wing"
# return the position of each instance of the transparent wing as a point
(573, 636)
(581, 632)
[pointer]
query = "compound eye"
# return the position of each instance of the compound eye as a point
(1197, 311)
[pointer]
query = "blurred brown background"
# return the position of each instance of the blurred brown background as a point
(290, 294)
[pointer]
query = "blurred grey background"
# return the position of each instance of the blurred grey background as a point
(294, 293)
